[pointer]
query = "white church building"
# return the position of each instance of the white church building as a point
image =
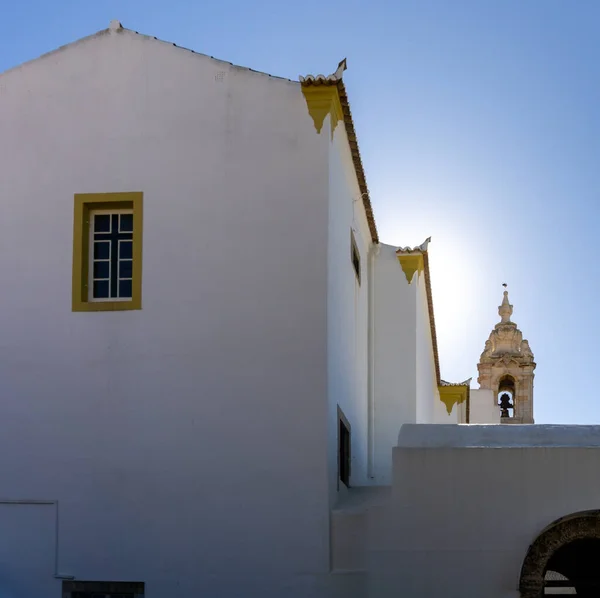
(216, 380)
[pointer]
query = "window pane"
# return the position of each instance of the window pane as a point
(125, 288)
(101, 289)
(125, 250)
(102, 223)
(125, 269)
(101, 269)
(101, 250)
(126, 223)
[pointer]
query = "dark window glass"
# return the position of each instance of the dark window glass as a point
(102, 223)
(344, 452)
(101, 289)
(126, 225)
(356, 260)
(125, 269)
(101, 269)
(101, 250)
(102, 589)
(112, 256)
(125, 288)
(125, 250)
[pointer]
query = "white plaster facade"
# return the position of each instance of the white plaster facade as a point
(140, 428)
(193, 445)
(405, 377)
(348, 312)
(145, 425)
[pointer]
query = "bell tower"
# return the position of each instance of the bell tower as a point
(506, 367)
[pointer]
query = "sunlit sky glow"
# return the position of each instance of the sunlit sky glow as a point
(479, 124)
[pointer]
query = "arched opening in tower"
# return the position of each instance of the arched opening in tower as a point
(506, 396)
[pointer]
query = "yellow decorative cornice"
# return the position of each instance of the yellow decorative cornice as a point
(411, 263)
(454, 394)
(322, 100)
(413, 259)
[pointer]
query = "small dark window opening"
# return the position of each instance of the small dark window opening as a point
(355, 255)
(96, 595)
(102, 589)
(344, 451)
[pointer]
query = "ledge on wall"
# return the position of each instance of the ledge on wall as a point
(497, 436)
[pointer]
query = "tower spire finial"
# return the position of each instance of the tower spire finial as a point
(506, 309)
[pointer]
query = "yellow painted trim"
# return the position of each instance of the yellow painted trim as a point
(411, 263)
(321, 101)
(453, 395)
(84, 202)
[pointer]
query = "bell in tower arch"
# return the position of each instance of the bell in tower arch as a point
(505, 405)
(506, 394)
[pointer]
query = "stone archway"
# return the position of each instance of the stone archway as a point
(584, 525)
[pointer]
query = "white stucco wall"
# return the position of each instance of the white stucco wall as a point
(460, 413)
(347, 309)
(484, 409)
(429, 407)
(469, 500)
(405, 377)
(349, 527)
(401, 377)
(184, 442)
(441, 415)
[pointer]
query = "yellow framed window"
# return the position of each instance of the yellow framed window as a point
(107, 251)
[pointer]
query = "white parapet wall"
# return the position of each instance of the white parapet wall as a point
(469, 500)
(498, 436)
(483, 408)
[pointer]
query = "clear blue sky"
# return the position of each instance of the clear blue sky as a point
(479, 124)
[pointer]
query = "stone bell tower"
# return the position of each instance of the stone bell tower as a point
(506, 367)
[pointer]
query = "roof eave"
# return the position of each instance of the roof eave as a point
(356, 159)
(335, 80)
(429, 293)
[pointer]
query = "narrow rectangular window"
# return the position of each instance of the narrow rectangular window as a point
(111, 258)
(355, 257)
(107, 252)
(344, 445)
(102, 589)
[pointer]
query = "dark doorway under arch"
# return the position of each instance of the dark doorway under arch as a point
(564, 558)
